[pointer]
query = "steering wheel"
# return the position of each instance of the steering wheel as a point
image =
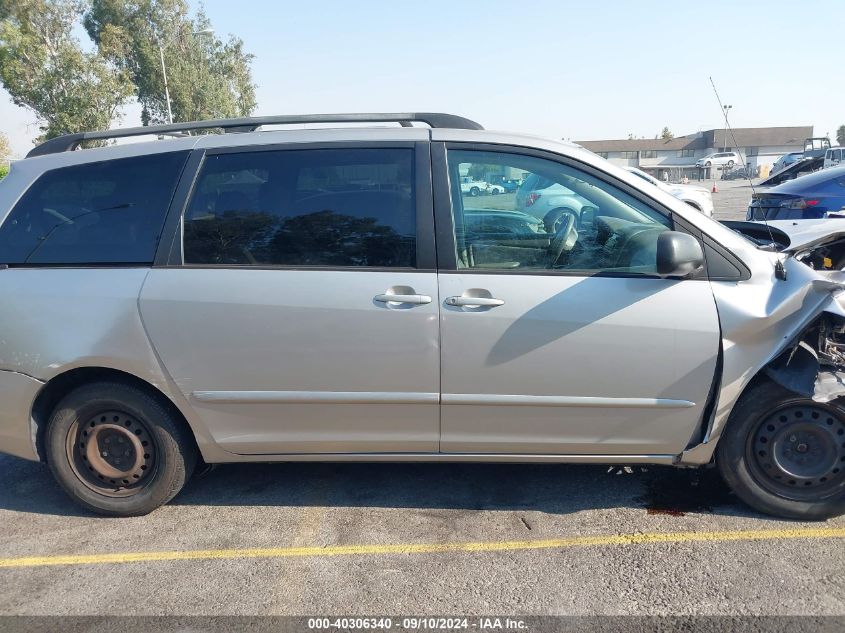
(564, 239)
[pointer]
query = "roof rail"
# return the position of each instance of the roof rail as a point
(69, 142)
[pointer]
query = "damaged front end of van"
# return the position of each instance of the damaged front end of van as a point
(789, 328)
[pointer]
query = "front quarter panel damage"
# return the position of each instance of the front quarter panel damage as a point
(773, 325)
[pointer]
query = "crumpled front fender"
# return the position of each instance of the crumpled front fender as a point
(760, 319)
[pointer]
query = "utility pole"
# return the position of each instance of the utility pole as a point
(726, 108)
(161, 48)
(166, 90)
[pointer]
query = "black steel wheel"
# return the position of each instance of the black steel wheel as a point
(798, 451)
(784, 454)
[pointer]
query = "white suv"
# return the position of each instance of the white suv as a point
(728, 159)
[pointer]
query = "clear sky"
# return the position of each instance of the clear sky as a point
(572, 69)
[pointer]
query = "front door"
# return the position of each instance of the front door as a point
(557, 334)
(304, 318)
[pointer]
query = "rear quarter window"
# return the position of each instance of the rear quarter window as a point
(109, 212)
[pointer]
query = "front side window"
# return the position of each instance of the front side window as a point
(110, 212)
(559, 219)
(322, 207)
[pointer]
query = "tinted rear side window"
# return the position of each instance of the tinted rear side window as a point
(108, 212)
(320, 207)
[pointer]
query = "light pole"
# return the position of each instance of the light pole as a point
(161, 48)
(726, 108)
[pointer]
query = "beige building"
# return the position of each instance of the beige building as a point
(757, 145)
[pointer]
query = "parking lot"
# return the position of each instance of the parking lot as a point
(417, 539)
(371, 539)
(731, 198)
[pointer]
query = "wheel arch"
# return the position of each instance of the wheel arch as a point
(63, 383)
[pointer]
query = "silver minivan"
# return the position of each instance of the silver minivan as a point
(334, 295)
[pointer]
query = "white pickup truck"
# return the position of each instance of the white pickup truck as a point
(473, 187)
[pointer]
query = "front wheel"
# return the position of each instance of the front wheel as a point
(117, 450)
(474, 191)
(784, 454)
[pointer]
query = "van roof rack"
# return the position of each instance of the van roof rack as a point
(69, 142)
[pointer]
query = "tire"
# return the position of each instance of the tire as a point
(494, 192)
(707, 164)
(157, 453)
(730, 164)
(784, 454)
(474, 191)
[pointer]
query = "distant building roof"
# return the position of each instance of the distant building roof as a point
(745, 137)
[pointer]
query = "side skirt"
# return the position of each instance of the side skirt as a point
(451, 457)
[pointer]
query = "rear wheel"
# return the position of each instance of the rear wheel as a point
(117, 450)
(784, 454)
(474, 191)
(730, 164)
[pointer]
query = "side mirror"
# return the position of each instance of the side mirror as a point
(678, 254)
(587, 217)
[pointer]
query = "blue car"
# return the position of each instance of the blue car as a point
(817, 195)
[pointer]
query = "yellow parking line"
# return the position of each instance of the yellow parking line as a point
(425, 548)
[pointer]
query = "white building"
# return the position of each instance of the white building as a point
(757, 145)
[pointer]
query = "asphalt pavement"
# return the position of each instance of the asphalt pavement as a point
(372, 539)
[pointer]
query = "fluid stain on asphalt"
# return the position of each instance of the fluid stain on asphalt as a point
(676, 492)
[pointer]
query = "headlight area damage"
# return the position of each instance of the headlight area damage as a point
(788, 326)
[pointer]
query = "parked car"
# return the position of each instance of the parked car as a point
(738, 172)
(786, 160)
(506, 185)
(697, 197)
(472, 187)
(282, 295)
(495, 190)
(548, 201)
(833, 157)
(719, 159)
(816, 195)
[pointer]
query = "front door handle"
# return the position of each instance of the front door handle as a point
(474, 302)
(414, 299)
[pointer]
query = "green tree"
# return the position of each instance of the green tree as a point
(666, 134)
(5, 148)
(207, 77)
(840, 135)
(44, 68)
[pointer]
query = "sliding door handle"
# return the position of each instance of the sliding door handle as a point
(474, 302)
(414, 299)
